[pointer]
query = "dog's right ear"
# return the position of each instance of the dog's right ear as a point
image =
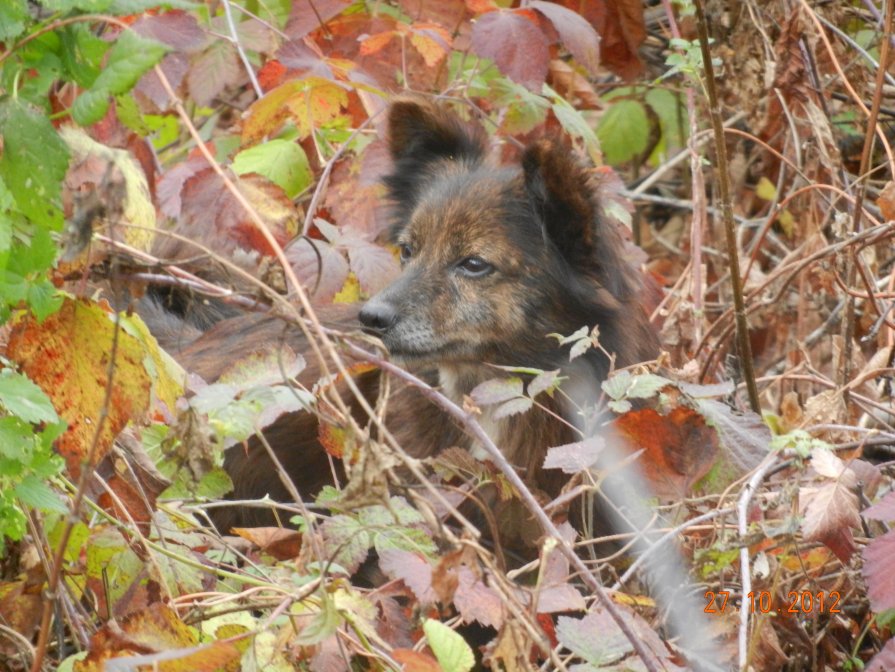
(420, 135)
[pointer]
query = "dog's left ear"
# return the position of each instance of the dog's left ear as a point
(560, 189)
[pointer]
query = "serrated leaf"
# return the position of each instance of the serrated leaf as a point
(646, 385)
(283, 162)
(512, 407)
(451, 650)
(543, 382)
(496, 390)
(130, 57)
(24, 399)
(516, 45)
(576, 33)
(34, 492)
(13, 14)
(617, 386)
(620, 407)
(573, 458)
(90, 106)
(33, 161)
(321, 625)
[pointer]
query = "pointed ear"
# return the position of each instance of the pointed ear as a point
(421, 134)
(560, 188)
(423, 131)
(563, 194)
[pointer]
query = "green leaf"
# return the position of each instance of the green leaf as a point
(36, 493)
(321, 625)
(24, 399)
(90, 106)
(130, 57)
(623, 131)
(13, 14)
(33, 161)
(283, 162)
(81, 53)
(43, 298)
(451, 650)
(71, 5)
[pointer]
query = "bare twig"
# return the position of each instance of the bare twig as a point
(742, 326)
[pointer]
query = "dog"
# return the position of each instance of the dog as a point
(495, 259)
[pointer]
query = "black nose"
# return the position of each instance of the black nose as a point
(377, 317)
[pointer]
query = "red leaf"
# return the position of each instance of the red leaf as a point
(884, 660)
(213, 71)
(414, 571)
(515, 44)
(621, 28)
(374, 266)
(879, 572)
(576, 33)
(319, 267)
(307, 15)
(176, 28)
(476, 601)
(883, 510)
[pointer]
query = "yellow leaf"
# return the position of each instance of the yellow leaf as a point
(766, 190)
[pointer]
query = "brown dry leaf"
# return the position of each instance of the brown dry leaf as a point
(826, 408)
(510, 651)
(281, 543)
(159, 637)
(679, 447)
(21, 605)
(68, 357)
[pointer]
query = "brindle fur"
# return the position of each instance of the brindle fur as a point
(557, 266)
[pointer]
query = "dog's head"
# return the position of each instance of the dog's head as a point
(494, 258)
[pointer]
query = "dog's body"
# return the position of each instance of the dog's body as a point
(495, 259)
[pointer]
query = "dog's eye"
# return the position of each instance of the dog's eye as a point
(475, 267)
(406, 252)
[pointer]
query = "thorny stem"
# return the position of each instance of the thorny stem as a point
(851, 261)
(736, 283)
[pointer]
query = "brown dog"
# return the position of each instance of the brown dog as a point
(495, 259)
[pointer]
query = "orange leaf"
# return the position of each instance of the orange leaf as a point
(281, 543)
(679, 447)
(271, 75)
(481, 6)
(413, 661)
(68, 357)
(432, 42)
(373, 44)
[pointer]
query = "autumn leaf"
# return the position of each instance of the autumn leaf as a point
(432, 42)
(68, 356)
(516, 45)
(879, 572)
(679, 448)
(310, 103)
(830, 509)
(576, 33)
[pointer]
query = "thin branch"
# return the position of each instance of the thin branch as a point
(736, 283)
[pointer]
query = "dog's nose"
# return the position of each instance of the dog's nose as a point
(377, 318)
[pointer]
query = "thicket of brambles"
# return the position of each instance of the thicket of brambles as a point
(234, 149)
